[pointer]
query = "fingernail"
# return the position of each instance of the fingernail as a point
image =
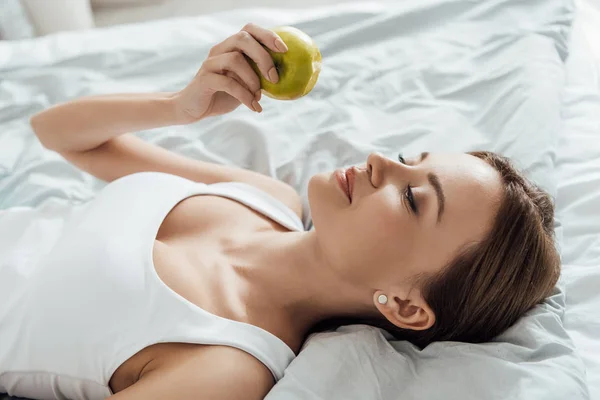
(256, 106)
(257, 95)
(273, 75)
(280, 45)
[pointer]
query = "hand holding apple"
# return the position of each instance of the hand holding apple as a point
(235, 72)
(298, 68)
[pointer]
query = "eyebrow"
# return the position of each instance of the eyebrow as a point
(437, 186)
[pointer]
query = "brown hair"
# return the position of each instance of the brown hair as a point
(490, 284)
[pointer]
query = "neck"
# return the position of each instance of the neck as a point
(287, 276)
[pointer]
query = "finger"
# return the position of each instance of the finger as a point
(230, 86)
(237, 63)
(233, 75)
(266, 37)
(244, 42)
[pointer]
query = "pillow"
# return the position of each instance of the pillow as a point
(51, 16)
(14, 21)
(124, 3)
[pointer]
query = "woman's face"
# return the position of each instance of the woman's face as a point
(404, 220)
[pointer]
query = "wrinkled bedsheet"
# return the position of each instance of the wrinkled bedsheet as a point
(436, 75)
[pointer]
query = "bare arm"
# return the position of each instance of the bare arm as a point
(208, 373)
(91, 132)
(86, 123)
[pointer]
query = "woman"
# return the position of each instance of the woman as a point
(188, 280)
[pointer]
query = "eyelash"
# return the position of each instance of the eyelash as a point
(408, 194)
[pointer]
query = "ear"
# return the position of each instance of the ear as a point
(407, 310)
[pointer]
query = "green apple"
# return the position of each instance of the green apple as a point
(298, 68)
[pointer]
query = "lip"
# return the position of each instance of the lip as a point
(342, 180)
(350, 178)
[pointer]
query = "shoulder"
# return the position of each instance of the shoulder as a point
(215, 372)
(247, 370)
(223, 372)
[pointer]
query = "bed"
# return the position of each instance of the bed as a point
(518, 77)
(578, 190)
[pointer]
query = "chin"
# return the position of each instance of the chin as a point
(319, 195)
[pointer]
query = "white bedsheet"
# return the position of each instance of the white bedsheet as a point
(579, 190)
(422, 75)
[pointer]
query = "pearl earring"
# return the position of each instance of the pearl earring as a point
(382, 299)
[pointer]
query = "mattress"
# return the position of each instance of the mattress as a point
(578, 200)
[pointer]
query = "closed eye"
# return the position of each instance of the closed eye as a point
(408, 194)
(411, 200)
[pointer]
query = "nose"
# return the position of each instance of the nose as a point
(380, 167)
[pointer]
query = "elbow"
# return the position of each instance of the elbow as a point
(37, 125)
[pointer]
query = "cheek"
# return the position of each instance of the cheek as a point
(376, 253)
(382, 228)
(384, 223)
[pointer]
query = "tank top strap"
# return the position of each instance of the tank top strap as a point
(258, 200)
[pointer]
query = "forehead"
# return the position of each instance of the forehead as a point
(472, 188)
(464, 170)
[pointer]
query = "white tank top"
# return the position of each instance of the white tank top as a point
(95, 299)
